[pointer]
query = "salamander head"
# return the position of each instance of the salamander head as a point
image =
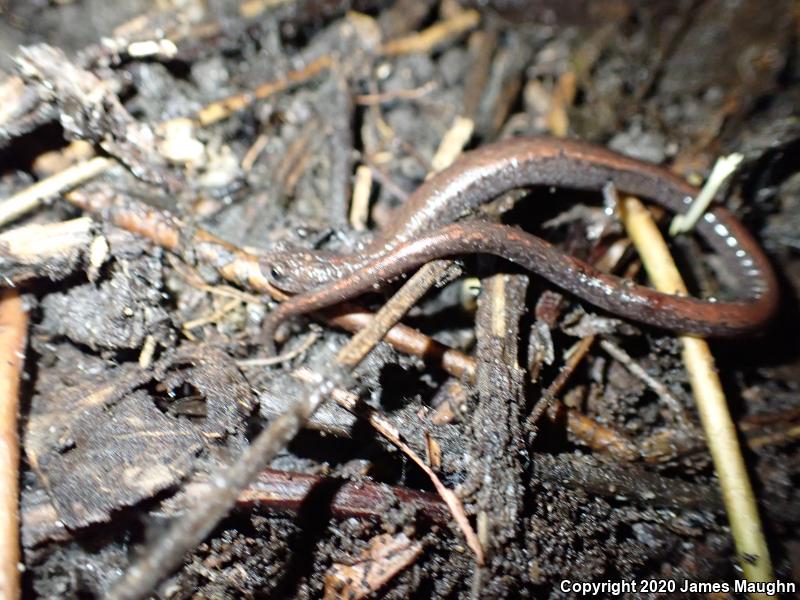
(296, 270)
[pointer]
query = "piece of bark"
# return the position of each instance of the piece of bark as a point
(496, 441)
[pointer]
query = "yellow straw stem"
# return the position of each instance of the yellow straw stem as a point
(720, 432)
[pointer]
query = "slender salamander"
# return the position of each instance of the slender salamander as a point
(425, 228)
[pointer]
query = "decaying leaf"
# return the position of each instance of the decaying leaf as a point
(386, 557)
(108, 446)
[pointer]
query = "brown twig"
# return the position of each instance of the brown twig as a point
(599, 437)
(254, 151)
(575, 355)
(385, 97)
(633, 482)
(786, 436)
(596, 436)
(507, 74)
(406, 339)
(287, 491)
(310, 340)
(297, 157)
(386, 181)
(169, 232)
(13, 328)
(495, 418)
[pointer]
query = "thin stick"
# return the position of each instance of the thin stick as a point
(222, 109)
(719, 428)
(435, 35)
(13, 327)
(677, 411)
(393, 310)
(406, 339)
(31, 197)
(452, 144)
(310, 340)
(359, 205)
(576, 354)
(349, 401)
(380, 98)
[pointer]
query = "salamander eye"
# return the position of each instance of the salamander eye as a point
(276, 273)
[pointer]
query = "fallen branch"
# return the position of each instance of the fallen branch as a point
(222, 109)
(575, 355)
